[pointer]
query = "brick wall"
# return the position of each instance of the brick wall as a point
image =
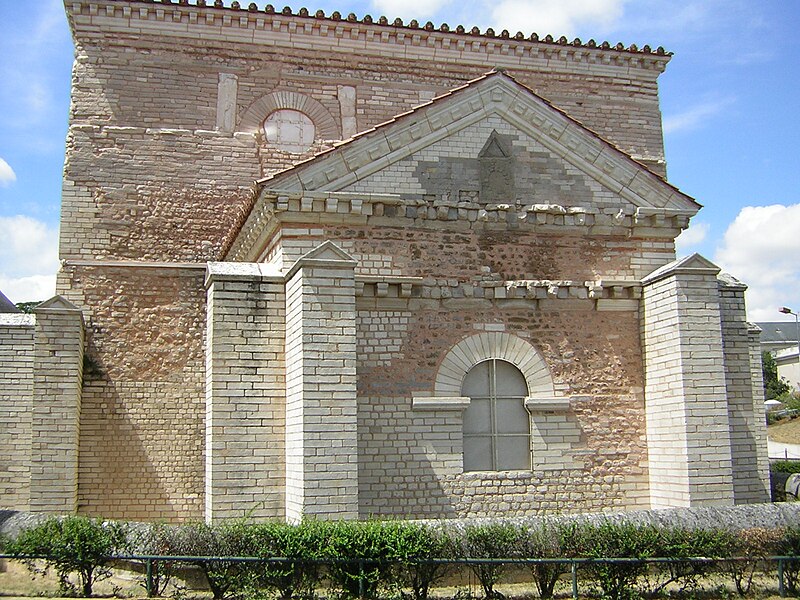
(56, 407)
(143, 407)
(16, 405)
(410, 459)
(321, 425)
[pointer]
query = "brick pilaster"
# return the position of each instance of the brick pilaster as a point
(321, 418)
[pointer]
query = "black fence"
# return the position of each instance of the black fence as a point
(769, 566)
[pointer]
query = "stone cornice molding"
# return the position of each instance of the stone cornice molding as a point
(458, 403)
(229, 271)
(335, 208)
(254, 26)
(547, 404)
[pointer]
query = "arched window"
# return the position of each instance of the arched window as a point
(289, 130)
(497, 428)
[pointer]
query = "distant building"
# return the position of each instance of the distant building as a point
(778, 335)
(321, 266)
(6, 305)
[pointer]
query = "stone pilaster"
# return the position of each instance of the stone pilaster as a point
(55, 418)
(245, 394)
(688, 437)
(321, 415)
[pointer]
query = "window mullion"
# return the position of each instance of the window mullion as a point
(493, 411)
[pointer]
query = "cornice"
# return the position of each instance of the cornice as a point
(343, 208)
(179, 15)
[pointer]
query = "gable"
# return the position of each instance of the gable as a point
(490, 162)
(492, 144)
(522, 113)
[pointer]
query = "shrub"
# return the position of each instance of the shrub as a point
(548, 541)
(415, 545)
(490, 541)
(618, 540)
(785, 466)
(154, 539)
(789, 545)
(226, 579)
(680, 543)
(751, 546)
(360, 551)
(301, 543)
(70, 545)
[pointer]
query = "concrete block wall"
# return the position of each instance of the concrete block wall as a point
(746, 417)
(688, 431)
(321, 409)
(245, 394)
(55, 418)
(16, 407)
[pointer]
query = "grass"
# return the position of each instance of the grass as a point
(785, 432)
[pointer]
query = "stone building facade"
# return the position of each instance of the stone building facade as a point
(317, 265)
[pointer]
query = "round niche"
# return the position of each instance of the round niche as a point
(289, 130)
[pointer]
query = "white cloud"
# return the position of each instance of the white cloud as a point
(28, 258)
(691, 237)
(761, 247)
(694, 116)
(417, 9)
(7, 175)
(35, 288)
(556, 17)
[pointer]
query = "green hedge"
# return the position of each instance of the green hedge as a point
(386, 558)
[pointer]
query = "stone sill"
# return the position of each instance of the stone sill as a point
(439, 403)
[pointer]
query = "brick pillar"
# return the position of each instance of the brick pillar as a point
(688, 433)
(321, 425)
(245, 392)
(55, 419)
(748, 427)
(759, 412)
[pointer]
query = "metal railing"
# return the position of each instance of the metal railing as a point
(574, 564)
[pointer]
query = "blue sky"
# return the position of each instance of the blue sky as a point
(729, 100)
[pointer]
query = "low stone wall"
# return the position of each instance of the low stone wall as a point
(768, 516)
(734, 518)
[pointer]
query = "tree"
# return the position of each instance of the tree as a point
(774, 386)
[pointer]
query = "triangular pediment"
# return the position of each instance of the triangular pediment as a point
(495, 94)
(483, 130)
(694, 263)
(57, 303)
(327, 251)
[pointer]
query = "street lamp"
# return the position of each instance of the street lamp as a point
(788, 311)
